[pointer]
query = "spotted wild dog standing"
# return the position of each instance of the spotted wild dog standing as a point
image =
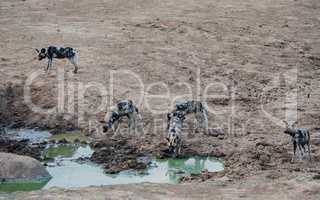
(59, 53)
(174, 137)
(300, 138)
(198, 109)
(124, 108)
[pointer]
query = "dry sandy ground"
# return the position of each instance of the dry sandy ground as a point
(246, 189)
(262, 56)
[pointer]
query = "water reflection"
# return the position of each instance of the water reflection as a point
(66, 172)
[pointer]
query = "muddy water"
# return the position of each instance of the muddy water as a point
(70, 167)
(69, 172)
(34, 136)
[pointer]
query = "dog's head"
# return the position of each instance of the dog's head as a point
(175, 117)
(173, 139)
(113, 118)
(41, 54)
(175, 120)
(182, 106)
(290, 130)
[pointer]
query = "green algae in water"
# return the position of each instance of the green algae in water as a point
(175, 168)
(70, 137)
(22, 186)
(60, 150)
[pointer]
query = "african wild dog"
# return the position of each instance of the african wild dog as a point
(124, 108)
(198, 109)
(174, 137)
(59, 53)
(300, 138)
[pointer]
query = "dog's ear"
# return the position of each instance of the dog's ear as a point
(37, 50)
(286, 123)
(294, 124)
(43, 50)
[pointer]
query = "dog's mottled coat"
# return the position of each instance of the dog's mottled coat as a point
(124, 108)
(59, 53)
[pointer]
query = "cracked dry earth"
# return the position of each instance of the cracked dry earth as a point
(266, 53)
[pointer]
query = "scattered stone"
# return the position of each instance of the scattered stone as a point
(297, 169)
(221, 137)
(316, 177)
(82, 160)
(63, 141)
(273, 175)
(203, 176)
(84, 142)
(76, 140)
(21, 147)
(263, 143)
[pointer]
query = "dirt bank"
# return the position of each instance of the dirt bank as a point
(258, 187)
(22, 148)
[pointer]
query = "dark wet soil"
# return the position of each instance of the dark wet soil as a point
(117, 155)
(22, 147)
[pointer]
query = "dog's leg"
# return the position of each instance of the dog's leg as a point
(204, 121)
(197, 123)
(130, 122)
(175, 152)
(179, 150)
(304, 150)
(308, 143)
(301, 151)
(135, 121)
(294, 151)
(74, 61)
(309, 153)
(49, 64)
(115, 127)
(139, 124)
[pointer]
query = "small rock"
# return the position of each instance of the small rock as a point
(63, 141)
(316, 177)
(84, 142)
(263, 143)
(76, 140)
(221, 137)
(273, 175)
(297, 169)
(215, 132)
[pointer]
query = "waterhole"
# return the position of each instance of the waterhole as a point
(69, 166)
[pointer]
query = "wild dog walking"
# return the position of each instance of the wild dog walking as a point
(124, 108)
(300, 138)
(174, 137)
(198, 109)
(59, 53)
